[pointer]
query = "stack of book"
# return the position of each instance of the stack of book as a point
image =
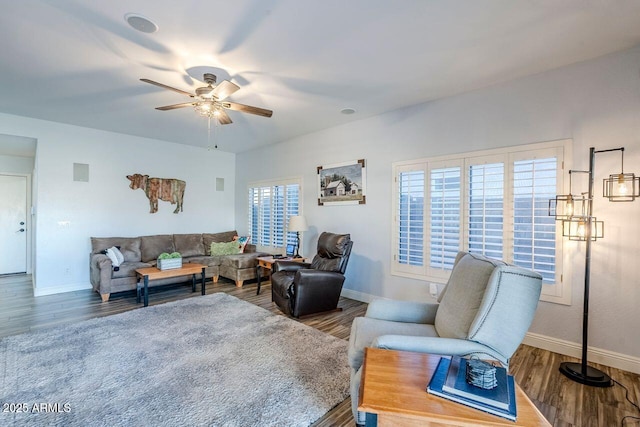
(449, 381)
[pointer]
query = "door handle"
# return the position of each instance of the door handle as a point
(20, 231)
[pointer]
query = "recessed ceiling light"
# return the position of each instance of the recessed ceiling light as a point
(347, 111)
(141, 23)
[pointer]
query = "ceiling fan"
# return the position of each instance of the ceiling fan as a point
(209, 101)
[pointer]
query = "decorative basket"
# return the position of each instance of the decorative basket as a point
(168, 264)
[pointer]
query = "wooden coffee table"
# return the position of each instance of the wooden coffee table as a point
(153, 273)
(393, 393)
(266, 262)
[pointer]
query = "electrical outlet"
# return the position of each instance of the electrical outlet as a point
(433, 289)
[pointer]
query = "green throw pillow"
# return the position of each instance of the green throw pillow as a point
(224, 248)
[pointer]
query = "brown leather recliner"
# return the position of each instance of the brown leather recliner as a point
(306, 288)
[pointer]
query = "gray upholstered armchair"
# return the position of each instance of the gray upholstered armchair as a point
(485, 309)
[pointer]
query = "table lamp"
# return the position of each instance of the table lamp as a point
(297, 223)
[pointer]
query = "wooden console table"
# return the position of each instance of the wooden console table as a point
(393, 393)
(153, 273)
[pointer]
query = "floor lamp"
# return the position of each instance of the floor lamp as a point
(578, 223)
(298, 223)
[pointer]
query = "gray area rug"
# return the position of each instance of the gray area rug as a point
(206, 361)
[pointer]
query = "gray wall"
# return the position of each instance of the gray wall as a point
(595, 103)
(68, 213)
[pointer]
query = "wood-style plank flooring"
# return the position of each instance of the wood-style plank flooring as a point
(563, 402)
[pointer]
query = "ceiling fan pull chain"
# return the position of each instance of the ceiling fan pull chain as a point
(216, 131)
(209, 134)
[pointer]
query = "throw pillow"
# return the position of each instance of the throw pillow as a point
(224, 248)
(115, 256)
(242, 242)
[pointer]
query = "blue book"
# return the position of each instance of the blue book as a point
(456, 383)
(440, 377)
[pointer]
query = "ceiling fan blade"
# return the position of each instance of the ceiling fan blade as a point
(223, 118)
(247, 109)
(167, 87)
(174, 106)
(224, 89)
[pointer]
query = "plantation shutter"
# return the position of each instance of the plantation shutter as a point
(277, 238)
(411, 219)
(270, 207)
(534, 231)
(491, 202)
(445, 226)
(485, 208)
(292, 209)
(408, 219)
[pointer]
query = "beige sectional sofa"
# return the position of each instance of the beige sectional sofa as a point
(143, 251)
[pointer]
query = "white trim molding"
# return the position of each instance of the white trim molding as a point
(595, 355)
(38, 292)
(358, 296)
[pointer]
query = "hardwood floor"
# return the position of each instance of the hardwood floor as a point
(563, 402)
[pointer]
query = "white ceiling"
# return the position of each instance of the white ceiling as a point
(79, 62)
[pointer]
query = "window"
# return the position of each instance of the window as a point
(271, 205)
(492, 203)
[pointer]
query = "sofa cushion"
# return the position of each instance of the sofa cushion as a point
(241, 261)
(128, 269)
(188, 244)
(224, 248)
(129, 246)
(152, 246)
(463, 295)
(242, 242)
(210, 261)
(208, 238)
(115, 256)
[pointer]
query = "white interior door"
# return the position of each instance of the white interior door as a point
(13, 224)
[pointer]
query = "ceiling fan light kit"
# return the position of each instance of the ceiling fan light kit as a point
(208, 101)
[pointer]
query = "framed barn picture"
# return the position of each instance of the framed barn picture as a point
(342, 183)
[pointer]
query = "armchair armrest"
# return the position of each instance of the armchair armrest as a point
(314, 291)
(437, 345)
(100, 273)
(289, 266)
(402, 311)
(306, 277)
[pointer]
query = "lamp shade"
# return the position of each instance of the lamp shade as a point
(298, 223)
(622, 187)
(566, 206)
(576, 228)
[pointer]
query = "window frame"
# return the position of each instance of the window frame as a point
(272, 183)
(558, 292)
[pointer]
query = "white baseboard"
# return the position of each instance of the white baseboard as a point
(358, 296)
(596, 355)
(60, 289)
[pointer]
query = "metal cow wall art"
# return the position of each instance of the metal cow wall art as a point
(167, 189)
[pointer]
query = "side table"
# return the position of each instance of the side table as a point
(393, 393)
(266, 263)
